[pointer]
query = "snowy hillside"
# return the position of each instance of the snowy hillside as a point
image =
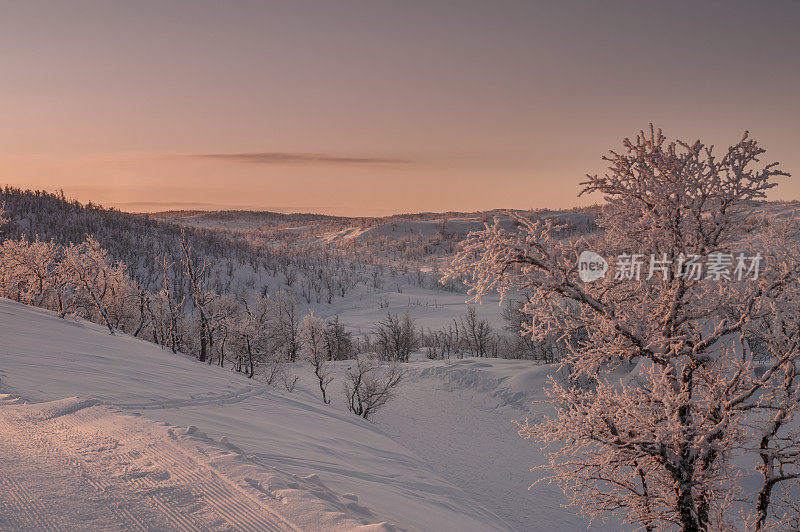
(275, 457)
(75, 464)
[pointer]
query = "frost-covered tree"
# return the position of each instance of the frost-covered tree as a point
(656, 445)
(773, 397)
(225, 313)
(258, 336)
(313, 351)
(521, 344)
(99, 284)
(32, 274)
(78, 279)
(165, 307)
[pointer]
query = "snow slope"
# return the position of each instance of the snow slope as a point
(44, 358)
(74, 464)
(458, 415)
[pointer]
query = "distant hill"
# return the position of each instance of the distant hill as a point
(135, 239)
(249, 251)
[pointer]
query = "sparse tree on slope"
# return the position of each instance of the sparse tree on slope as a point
(312, 340)
(655, 446)
(289, 324)
(165, 309)
(201, 296)
(258, 335)
(226, 315)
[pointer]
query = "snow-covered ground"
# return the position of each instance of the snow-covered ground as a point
(75, 464)
(443, 456)
(430, 309)
(458, 416)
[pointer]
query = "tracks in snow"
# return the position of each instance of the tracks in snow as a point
(229, 398)
(20, 510)
(73, 465)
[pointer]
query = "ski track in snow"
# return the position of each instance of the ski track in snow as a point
(167, 478)
(78, 465)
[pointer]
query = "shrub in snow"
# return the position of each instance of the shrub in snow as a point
(338, 341)
(396, 337)
(369, 385)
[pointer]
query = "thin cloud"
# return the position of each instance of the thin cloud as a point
(300, 158)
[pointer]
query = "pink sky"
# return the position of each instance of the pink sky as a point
(366, 108)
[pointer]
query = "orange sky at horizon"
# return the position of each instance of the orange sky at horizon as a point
(370, 108)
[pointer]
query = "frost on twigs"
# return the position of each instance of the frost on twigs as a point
(709, 365)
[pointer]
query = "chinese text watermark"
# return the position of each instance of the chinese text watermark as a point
(715, 266)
